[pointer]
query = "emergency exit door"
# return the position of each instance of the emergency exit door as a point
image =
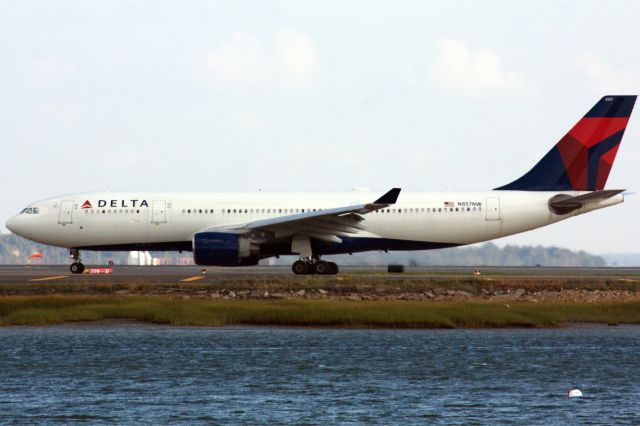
(492, 209)
(159, 211)
(66, 212)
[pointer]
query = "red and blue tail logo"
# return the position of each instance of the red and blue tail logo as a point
(583, 158)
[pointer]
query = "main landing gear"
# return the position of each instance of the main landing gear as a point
(76, 267)
(314, 267)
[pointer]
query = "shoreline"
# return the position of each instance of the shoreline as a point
(136, 323)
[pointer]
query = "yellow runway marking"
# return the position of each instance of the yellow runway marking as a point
(188, 280)
(49, 278)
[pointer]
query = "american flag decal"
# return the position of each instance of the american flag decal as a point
(448, 203)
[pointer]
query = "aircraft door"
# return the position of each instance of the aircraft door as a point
(492, 209)
(159, 211)
(66, 212)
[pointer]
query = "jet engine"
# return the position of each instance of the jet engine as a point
(224, 249)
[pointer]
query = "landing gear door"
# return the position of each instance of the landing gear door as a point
(492, 209)
(66, 212)
(159, 211)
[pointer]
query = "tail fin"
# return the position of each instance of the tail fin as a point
(582, 160)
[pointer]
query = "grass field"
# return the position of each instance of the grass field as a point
(44, 310)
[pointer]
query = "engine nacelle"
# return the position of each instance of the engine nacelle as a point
(224, 249)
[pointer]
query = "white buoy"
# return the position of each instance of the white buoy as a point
(574, 393)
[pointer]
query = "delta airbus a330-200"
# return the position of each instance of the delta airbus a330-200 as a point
(239, 229)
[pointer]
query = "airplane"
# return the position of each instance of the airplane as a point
(240, 229)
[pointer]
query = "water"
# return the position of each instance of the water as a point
(133, 373)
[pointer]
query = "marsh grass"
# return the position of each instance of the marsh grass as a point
(44, 310)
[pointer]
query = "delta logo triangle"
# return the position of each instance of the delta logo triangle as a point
(86, 205)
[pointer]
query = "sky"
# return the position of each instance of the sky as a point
(311, 96)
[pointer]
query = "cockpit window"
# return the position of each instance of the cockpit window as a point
(30, 210)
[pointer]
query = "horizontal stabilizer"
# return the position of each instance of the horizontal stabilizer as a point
(564, 203)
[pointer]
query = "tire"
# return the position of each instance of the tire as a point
(299, 267)
(76, 268)
(321, 268)
(332, 268)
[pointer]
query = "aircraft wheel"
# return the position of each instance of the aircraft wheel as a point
(76, 268)
(321, 268)
(332, 268)
(299, 267)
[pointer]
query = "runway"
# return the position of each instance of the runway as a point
(16, 274)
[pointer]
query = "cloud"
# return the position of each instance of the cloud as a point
(49, 71)
(246, 120)
(241, 60)
(297, 56)
(458, 69)
(602, 77)
(290, 59)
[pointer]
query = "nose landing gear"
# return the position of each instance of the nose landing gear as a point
(76, 267)
(314, 267)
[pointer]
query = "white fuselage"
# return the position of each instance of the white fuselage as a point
(122, 220)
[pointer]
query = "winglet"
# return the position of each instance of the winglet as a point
(389, 198)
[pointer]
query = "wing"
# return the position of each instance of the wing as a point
(326, 225)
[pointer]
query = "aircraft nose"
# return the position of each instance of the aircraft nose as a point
(13, 225)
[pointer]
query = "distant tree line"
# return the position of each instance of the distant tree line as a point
(16, 250)
(487, 254)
